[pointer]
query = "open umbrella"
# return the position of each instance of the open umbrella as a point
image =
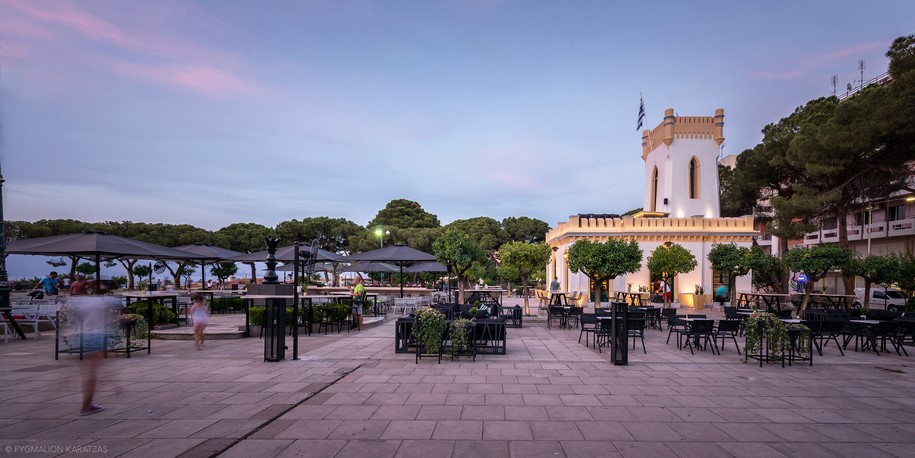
(287, 254)
(399, 255)
(93, 246)
(207, 254)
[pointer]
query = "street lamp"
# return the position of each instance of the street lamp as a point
(380, 234)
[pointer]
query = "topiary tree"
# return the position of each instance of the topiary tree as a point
(524, 259)
(86, 268)
(224, 270)
(671, 260)
(733, 259)
(141, 270)
(816, 262)
(604, 261)
(882, 270)
(456, 249)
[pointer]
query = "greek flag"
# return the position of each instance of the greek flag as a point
(641, 113)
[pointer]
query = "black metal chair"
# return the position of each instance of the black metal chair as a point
(895, 333)
(727, 329)
(653, 319)
(588, 326)
(555, 312)
(574, 315)
(700, 331)
(824, 331)
(676, 325)
(604, 334)
(730, 313)
(637, 330)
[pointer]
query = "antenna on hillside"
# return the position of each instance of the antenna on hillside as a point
(835, 79)
(861, 69)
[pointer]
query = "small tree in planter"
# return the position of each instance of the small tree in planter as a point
(816, 262)
(730, 258)
(524, 259)
(461, 343)
(669, 261)
(604, 261)
(873, 268)
(428, 331)
(456, 249)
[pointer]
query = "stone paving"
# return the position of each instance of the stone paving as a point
(350, 395)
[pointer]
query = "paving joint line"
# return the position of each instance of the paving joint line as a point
(284, 412)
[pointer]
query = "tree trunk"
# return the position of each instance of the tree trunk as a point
(867, 293)
(128, 264)
(527, 307)
(460, 278)
(597, 293)
(732, 289)
(73, 262)
(842, 218)
(253, 272)
(808, 286)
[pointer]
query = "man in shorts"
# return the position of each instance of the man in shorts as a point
(94, 314)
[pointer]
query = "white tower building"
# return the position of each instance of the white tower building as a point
(681, 165)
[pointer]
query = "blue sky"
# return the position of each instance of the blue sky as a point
(215, 112)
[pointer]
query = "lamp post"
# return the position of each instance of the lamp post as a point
(870, 220)
(380, 234)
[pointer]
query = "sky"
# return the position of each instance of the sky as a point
(215, 112)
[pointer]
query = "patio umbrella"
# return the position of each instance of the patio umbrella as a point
(399, 255)
(430, 266)
(287, 254)
(207, 254)
(93, 246)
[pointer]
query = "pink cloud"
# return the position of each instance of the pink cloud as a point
(815, 61)
(179, 62)
(778, 75)
(200, 78)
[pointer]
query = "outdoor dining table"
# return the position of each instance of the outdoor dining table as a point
(636, 298)
(8, 313)
(773, 301)
(832, 300)
(870, 334)
(558, 298)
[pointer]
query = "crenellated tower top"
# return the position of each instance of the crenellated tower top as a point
(683, 127)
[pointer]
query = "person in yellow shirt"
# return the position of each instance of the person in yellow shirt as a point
(358, 292)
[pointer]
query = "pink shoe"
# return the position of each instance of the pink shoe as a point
(93, 408)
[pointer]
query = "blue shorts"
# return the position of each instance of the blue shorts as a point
(94, 342)
(357, 309)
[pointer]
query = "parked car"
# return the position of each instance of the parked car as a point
(890, 299)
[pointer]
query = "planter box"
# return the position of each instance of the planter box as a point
(692, 301)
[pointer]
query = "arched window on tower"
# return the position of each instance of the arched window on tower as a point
(654, 189)
(694, 178)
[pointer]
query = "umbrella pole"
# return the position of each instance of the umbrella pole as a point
(98, 274)
(401, 281)
(203, 274)
(295, 304)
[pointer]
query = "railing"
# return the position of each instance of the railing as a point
(881, 79)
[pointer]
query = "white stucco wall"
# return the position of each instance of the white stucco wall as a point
(673, 176)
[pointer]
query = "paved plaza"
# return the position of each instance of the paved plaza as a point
(351, 395)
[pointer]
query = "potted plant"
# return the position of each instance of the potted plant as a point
(461, 334)
(428, 331)
(864, 311)
(778, 340)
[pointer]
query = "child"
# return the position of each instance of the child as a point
(200, 316)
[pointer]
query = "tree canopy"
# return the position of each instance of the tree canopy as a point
(603, 261)
(525, 229)
(733, 259)
(669, 261)
(816, 262)
(457, 250)
(403, 213)
(525, 259)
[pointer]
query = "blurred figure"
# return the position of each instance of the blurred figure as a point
(721, 294)
(49, 284)
(200, 316)
(80, 286)
(169, 287)
(94, 314)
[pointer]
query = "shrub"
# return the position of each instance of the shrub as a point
(160, 314)
(222, 304)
